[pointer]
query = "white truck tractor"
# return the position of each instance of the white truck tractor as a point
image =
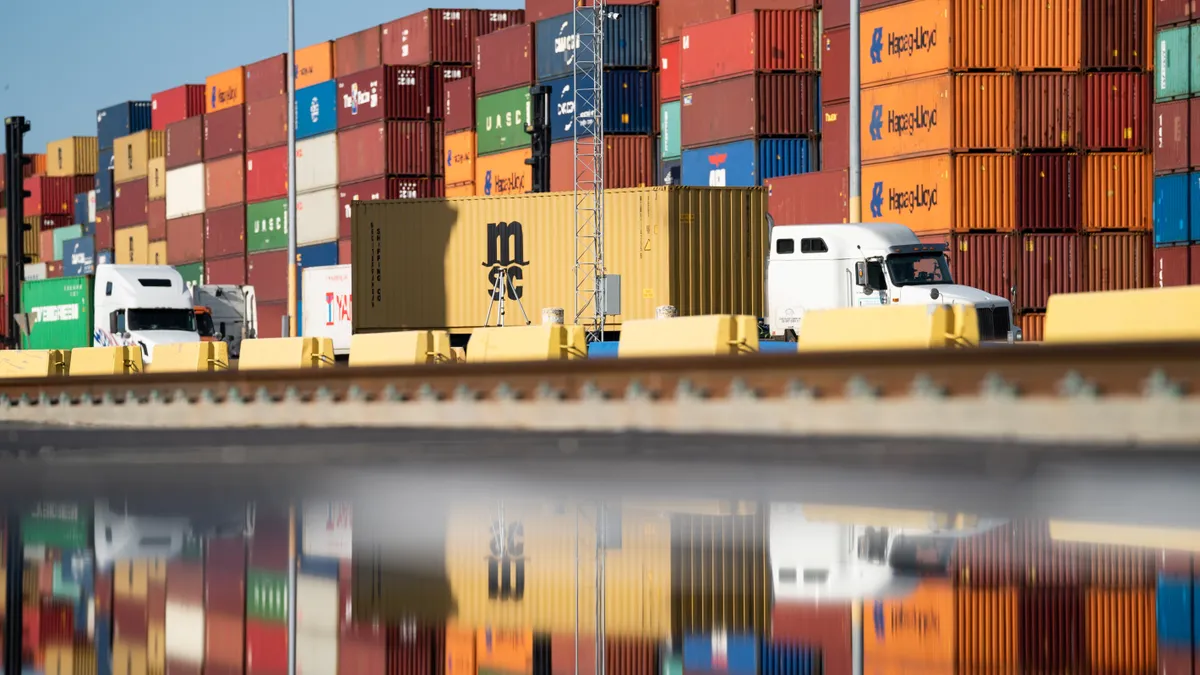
(228, 313)
(863, 265)
(142, 305)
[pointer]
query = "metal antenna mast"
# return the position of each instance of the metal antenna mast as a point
(587, 87)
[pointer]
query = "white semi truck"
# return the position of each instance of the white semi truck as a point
(142, 305)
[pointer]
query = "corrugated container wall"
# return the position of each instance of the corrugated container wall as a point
(628, 41)
(459, 111)
(266, 79)
(384, 93)
(1115, 107)
(673, 15)
(1047, 35)
(175, 105)
(316, 109)
(790, 198)
(981, 39)
(121, 120)
(1049, 264)
(728, 281)
(429, 36)
(1048, 111)
(1117, 261)
(987, 261)
(376, 189)
(759, 41)
(503, 60)
(74, 156)
(185, 142)
(266, 123)
(357, 52)
(1118, 191)
(132, 154)
(225, 133)
(314, 64)
(941, 193)
(1170, 137)
(705, 598)
(1114, 34)
(383, 148)
(1049, 196)
(769, 104)
(226, 89)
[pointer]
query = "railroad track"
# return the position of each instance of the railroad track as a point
(1146, 394)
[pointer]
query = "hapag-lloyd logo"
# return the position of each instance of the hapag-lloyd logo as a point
(910, 122)
(919, 197)
(907, 43)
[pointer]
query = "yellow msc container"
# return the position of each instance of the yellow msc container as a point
(132, 154)
(435, 263)
(74, 156)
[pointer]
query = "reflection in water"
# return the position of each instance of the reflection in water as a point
(510, 587)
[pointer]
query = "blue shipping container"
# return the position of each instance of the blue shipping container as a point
(734, 654)
(1194, 206)
(745, 163)
(316, 110)
(1175, 613)
(1171, 209)
(788, 659)
(603, 350)
(79, 256)
(629, 41)
(103, 641)
(628, 105)
(81, 209)
(104, 181)
(120, 120)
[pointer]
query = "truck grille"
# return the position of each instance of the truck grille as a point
(993, 323)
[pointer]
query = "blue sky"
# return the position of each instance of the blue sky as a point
(78, 57)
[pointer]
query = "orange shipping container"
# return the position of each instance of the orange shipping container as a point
(510, 651)
(225, 90)
(902, 668)
(504, 174)
(1033, 327)
(943, 193)
(460, 650)
(461, 190)
(1118, 191)
(460, 158)
(1122, 634)
(1047, 34)
(314, 64)
(924, 37)
(938, 114)
(987, 629)
(917, 628)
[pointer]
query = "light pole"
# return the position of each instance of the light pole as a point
(290, 328)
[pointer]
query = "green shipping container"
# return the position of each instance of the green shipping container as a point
(669, 123)
(266, 226)
(192, 274)
(62, 235)
(1172, 63)
(63, 309)
(266, 596)
(57, 525)
(501, 120)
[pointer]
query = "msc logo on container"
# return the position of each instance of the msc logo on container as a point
(506, 251)
(909, 123)
(919, 39)
(919, 197)
(357, 97)
(506, 561)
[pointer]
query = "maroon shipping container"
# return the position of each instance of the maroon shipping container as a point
(50, 196)
(57, 620)
(1048, 191)
(760, 41)
(986, 559)
(185, 239)
(836, 13)
(267, 273)
(104, 230)
(668, 71)
(410, 651)
(175, 105)
(231, 270)
(437, 137)
(345, 251)
(1117, 261)
(1116, 566)
(224, 640)
(504, 60)
(1048, 111)
(362, 648)
(267, 123)
(835, 137)
(458, 109)
(225, 182)
(131, 622)
(488, 21)
(809, 199)
(131, 203)
(758, 104)
(357, 52)
(266, 174)
(225, 232)
(748, 5)
(270, 318)
(1051, 629)
(673, 15)
(269, 545)
(1114, 34)
(1115, 106)
(156, 218)
(1194, 123)
(629, 161)
(1194, 264)
(376, 189)
(185, 142)
(1049, 562)
(184, 668)
(835, 65)
(266, 648)
(225, 133)
(987, 261)
(439, 78)
(225, 556)
(428, 37)
(383, 148)
(383, 93)
(1177, 563)
(1170, 137)
(1170, 12)
(266, 79)
(1174, 660)
(1049, 264)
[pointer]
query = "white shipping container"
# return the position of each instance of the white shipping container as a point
(327, 295)
(316, 653)
(185, 633)
(185, 191)
(317, 604)
(317, 217)
(317, 163)
(91, 206)
(35, 271)
(328, 529)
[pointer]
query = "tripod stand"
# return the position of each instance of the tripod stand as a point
(499, 293)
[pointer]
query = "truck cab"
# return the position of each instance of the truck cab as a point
(142, 305)
(862, 265)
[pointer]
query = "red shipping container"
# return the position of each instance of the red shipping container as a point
(83, 184)
(748, 5)
(760, 41)
(50, 196)
(835, 65)
(1117, 261)
(1115, 106)
(809, 199)
(131, 620)
(267, 273)
(440, 77)
(1194, 265)
(46, 243)
(835, 137)
(668, 71)
(629, 162)
(429, 36)
(1170, 137)
(267, 123)
(376, 189)
(225, 232)
(57, 620)
(1048, 111)
(1051, 629)
(1194, 123)
(1174, 661)
(185, 142)
(104, 230)
(267, 648)
(673, 15)
(1048, 191)
(225, 182)
(156, 214)
(1049, 264)
(231, 270)
(1170, 12)
(437, 136)
(383, 148)
(984, 260)
(266, 79)
(269, 546)
(31, 632)
(266, 174)
(1114, 34)
(357, 52)
(363, 648)
(185, 239)
(488, 21)
(836, 13)
(345, 248)
(223, 640)
(175, 105)
(270, 319)
(185, 582)
(458, 108)
(824, 627)
(504, 60)
(131, 203)
(748, 106)
(383, 93)
(225, 133)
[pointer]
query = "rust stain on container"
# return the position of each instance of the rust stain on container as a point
(1047, 34)
(1117, 261)
(1049, 562)
(1048, 111)
(1124, 567)
(1121, 630)
(1118, 191)
(987, 634)
(1052, 629)
(1033, 326)
(1050, 263)
(358, 51)
(1115, 107)
(1048, 191)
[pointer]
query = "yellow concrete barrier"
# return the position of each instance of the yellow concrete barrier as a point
(1148, 315)
(286, 353)
(906, 327)
(721, 334)
(550, 342)
(33, 363)
(191, 357)
(92, 361)
(407, 348)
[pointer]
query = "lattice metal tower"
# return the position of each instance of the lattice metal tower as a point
(588, 88)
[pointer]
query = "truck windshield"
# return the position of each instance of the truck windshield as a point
(918, 269)
(162, 319)
(204, 324)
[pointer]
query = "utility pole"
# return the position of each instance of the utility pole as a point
(291, 211)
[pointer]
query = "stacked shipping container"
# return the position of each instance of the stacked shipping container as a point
(1176, 155)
